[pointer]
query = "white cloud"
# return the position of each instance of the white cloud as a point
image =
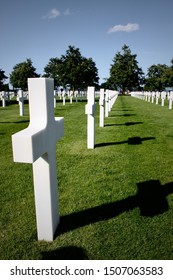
(124, 28)
(67, 12)
(52, 14)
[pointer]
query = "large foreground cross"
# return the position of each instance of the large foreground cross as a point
(37, 145)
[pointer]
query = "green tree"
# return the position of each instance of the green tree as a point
(88, 73)
(167, 76)
(2, 78)
(72, 69)
(21, 72)
(157, 77)
(125, 74)
(52, 70)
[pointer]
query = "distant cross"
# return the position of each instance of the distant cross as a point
(107, 103)
(3, 97)
(157, 97)
(55, 94)
(163, 96)
(37, 145)
(21, 99)
(170, 99)
(90, 108)
(153, 96)
(101, 103)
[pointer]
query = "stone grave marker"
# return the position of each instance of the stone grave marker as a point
(107, 103)
(54, 99)
(20, 99)
(152, 96)
(101, 103)
(76, 95)
(3, 98)
(170, 99)
(146, 97)
(149, 96)
(163, 96)
(64, 97)
(157, 97)
(37, 145)
(90, 111)
(71, 96)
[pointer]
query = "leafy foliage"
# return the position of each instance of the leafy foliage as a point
(52, 69)
(159, 77)
(2, 78)
(125, 74)
(73, 70)
(21, 72)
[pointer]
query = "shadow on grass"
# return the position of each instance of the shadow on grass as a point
(74, 100)
(127, 124)
(26, 121)
(120, 110)
(151, 198)
(130, 141)
(122, 115)
(65, 253)
(14, 102)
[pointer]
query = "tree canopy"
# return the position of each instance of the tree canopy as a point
(2, 78)
(159, 77)
(21, 72)
(76, 72)
(125, 74)
(72, 70)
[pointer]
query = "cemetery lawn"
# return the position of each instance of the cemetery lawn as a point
(116, 201)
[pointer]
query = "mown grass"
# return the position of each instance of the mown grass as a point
(115, 201)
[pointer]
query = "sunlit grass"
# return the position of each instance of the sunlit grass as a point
(115, 201)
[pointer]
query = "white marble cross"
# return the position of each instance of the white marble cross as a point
(149, 96)
(101, 103)
(20, 99)
(170, 99)
(163, 96)
(55, 95)
(71, 96)
(64, 97)
(107, 103)
(157, 97)
(37, 145)
(90, 108)
(3, 98)
(153, 96)
(76, 95)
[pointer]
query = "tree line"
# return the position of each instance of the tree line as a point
(74, 71)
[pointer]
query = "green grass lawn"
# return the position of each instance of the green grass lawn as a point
(116, 201)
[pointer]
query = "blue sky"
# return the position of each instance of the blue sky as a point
(42, 29)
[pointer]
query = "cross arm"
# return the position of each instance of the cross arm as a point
(59, 121)
(28, 145)
(32, 142)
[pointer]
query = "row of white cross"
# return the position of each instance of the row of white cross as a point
(37, 145)
(69, 94)
(155, 96)
(151, 96)
(6, 96)
(106, 101)
(21, 97)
